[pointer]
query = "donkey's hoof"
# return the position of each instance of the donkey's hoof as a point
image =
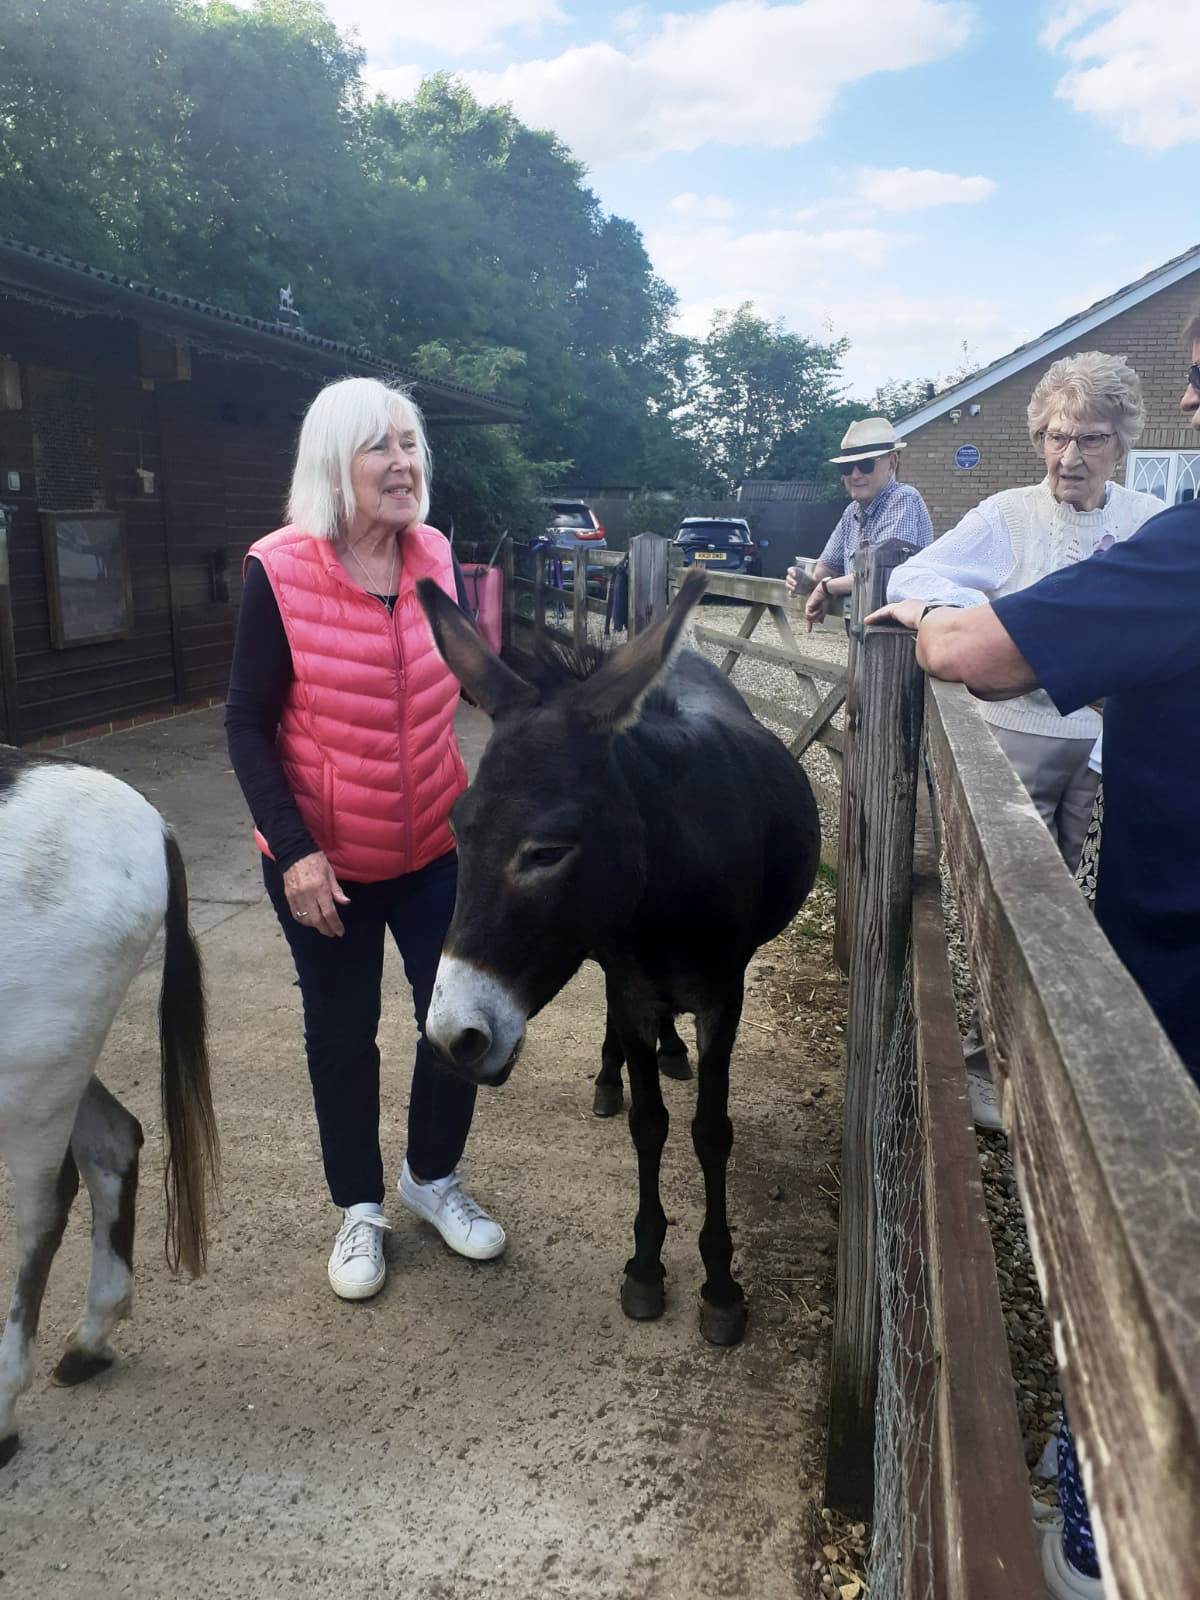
(642, 1302)
(77, 1366)
(674, 1064)
(8, 1449)
(607, 1100)
(723, 1325)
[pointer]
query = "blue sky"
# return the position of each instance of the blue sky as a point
(913, 174)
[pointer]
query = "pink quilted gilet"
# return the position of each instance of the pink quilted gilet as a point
(367, 731)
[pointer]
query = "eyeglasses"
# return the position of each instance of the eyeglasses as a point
(865, 467)
(1090, 444)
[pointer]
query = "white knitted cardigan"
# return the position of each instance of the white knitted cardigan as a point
(1007, 543)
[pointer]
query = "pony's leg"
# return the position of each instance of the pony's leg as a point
(672, 1052)
(44, 1186)
(609, 1096)
(722, 1303)
(642, 1291)
(105, 1143)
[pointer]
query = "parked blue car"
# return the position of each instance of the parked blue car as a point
(722, 544)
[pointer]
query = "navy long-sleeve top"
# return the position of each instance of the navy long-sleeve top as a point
(259, 679)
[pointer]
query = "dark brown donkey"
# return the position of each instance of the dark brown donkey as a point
(633, 811)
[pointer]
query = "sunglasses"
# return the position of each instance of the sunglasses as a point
(1194, 376)
(865, 467)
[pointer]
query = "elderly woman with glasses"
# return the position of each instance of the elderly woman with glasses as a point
(1084, 415)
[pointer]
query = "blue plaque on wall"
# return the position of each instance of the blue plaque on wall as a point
(966, 456)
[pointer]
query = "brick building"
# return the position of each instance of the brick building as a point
(146, 440)
(972, 440)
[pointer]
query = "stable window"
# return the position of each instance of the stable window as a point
(66, 441)
(1172, 476)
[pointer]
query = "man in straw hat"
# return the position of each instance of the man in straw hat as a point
(879, 509)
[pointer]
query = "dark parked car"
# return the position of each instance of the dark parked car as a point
(721, 543)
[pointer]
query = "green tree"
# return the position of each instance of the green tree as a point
(753, 385)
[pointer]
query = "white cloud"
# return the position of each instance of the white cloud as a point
(701, 207)
(1133, 65)
(910, 189)
(398, 83)
(713, 261)
(746, 72)
(827, 283)
(456, 26)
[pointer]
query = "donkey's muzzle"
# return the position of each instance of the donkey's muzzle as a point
(475, 1023)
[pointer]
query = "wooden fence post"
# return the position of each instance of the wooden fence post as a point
(539, 601)
(884, 733)
(873, 567)
(579, 602)
(648, 576)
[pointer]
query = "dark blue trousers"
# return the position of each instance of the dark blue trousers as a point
(340, 983)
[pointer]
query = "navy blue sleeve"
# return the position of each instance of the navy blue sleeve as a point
(1125, 617)
(258, 684)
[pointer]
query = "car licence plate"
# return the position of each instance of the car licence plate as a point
(708, 555)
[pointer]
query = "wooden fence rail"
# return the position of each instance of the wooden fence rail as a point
(1104, 1127)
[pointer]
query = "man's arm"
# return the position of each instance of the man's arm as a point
(971, 647)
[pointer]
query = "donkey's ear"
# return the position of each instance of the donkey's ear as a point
(494, 687)
(612, 699)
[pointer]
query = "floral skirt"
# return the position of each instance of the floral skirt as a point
(1088, 869)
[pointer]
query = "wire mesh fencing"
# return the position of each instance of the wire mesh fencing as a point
(901, 1559)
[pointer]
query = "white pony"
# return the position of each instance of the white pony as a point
(88, 874)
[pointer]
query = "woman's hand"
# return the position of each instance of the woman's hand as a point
(313, 895)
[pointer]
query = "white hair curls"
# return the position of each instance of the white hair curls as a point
(1090, 384)
(345, 418)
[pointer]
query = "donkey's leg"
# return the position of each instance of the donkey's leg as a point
(44, 1186)
(642, 1292)
(672, 1052)
(722, 1303)
(105, 1143)
(609, 1096)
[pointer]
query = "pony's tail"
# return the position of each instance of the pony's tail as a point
(193, 1155)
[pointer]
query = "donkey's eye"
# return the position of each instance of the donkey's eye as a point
(540, 856)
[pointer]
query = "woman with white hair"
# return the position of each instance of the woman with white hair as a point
(340, 721)
(1084, 414)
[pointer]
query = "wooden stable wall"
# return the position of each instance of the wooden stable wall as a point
(89, 683)
(227, 450)
(219, 445)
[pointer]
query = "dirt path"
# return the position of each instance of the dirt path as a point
(496, 1430)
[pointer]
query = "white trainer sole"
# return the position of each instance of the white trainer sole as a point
(357, 1291)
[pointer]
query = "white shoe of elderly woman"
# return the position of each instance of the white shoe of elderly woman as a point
(457, 1216)
(357, 1268)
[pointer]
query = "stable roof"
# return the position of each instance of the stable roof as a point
(39, 275)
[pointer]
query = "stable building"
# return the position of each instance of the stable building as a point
(146, 441)
(972, 440)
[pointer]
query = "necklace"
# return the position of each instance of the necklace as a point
(371, 589)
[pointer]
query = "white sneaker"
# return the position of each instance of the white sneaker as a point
(356, 1267)
(1063, 1581)
(985, 1107)
(461, 1221)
